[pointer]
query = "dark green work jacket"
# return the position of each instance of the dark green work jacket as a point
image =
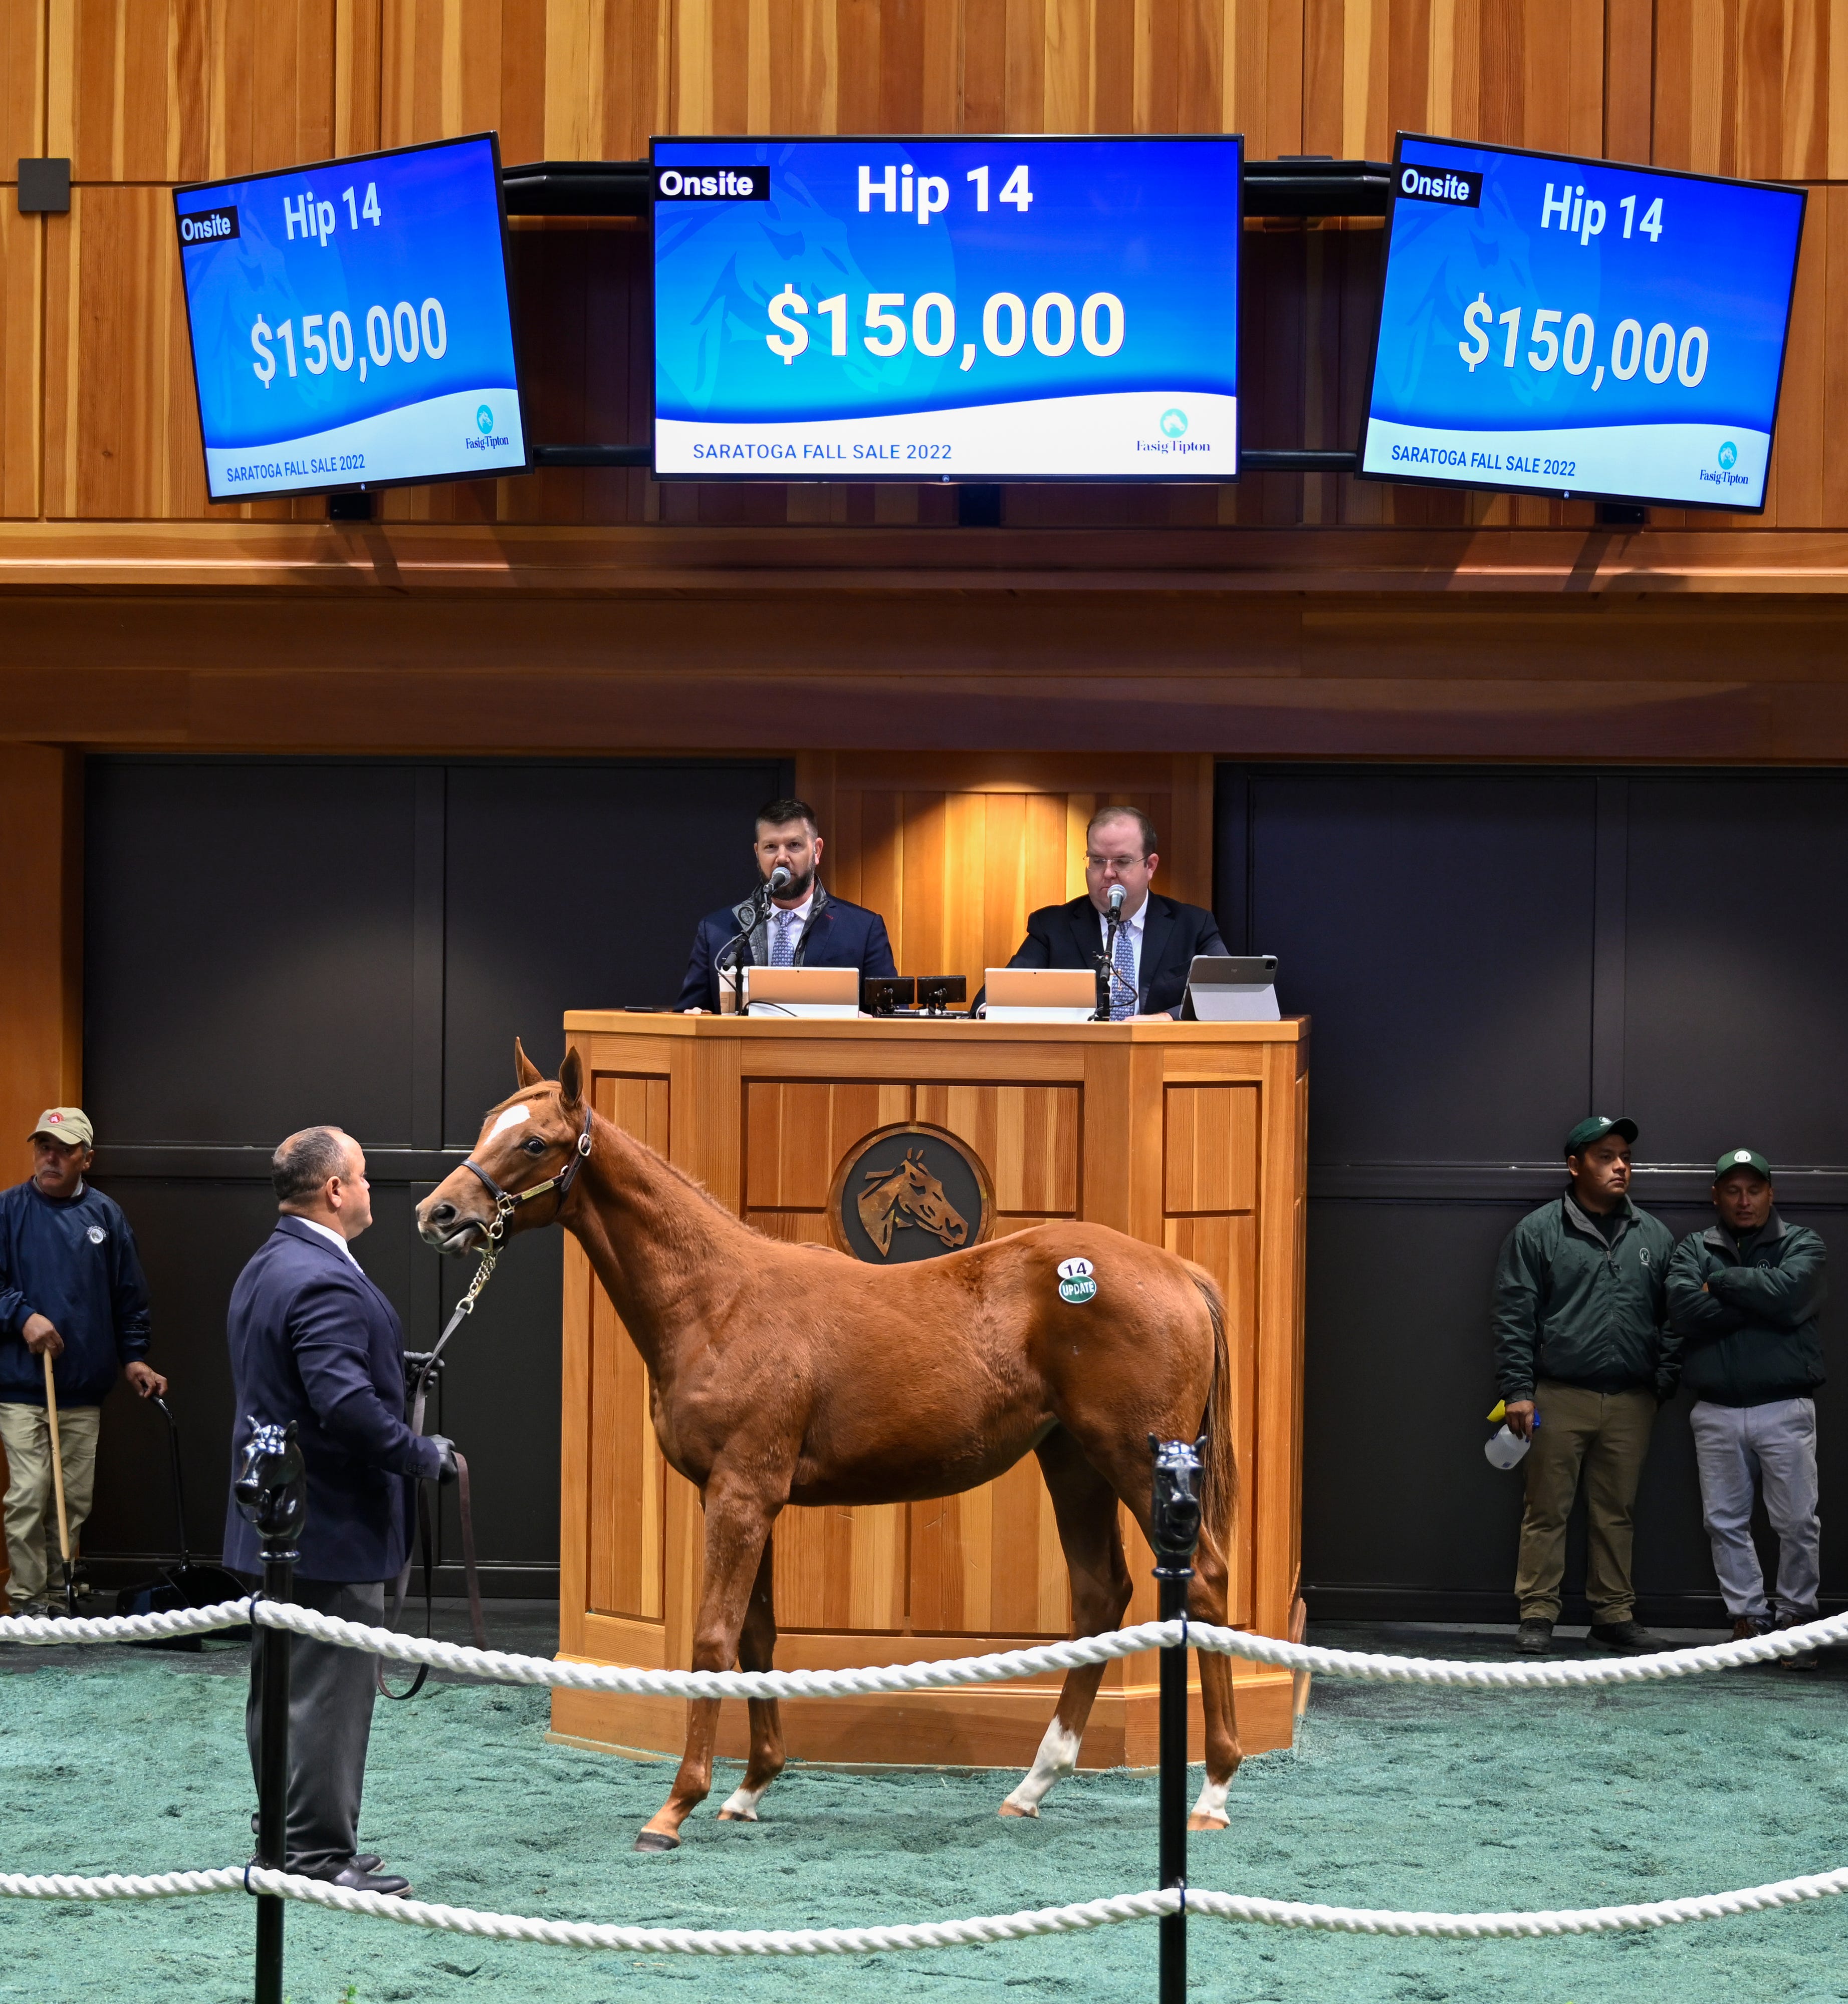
(1568, 1306)
(1746, 1312)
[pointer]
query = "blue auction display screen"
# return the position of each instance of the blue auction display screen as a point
(959, 309)
(350, 322)
(1579, 327)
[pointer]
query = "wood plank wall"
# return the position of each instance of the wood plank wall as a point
(96, 414)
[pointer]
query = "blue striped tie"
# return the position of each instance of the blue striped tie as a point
(1123, 990)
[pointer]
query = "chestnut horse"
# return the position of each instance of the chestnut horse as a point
(782, 1374)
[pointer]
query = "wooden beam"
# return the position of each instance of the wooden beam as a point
(41, 942)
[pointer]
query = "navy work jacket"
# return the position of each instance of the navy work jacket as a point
(72, 1260)
(1071, 935)
(838, 934)
(315, 1341)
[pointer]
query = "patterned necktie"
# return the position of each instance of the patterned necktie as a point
(1123, 990)
(782, 954)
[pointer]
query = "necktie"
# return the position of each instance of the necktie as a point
(1123, 990)
(782, 954)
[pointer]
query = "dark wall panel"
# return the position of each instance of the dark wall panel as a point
(273, 943)
(1433, 927)
(248, 949)
(1736, 987)
(1484, 955)
(576, 887)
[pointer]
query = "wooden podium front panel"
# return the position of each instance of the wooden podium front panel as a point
(1188, 1136)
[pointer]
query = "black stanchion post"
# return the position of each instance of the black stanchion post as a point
(271, 1493)
(1176, 1525)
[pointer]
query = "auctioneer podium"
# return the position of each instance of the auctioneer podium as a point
(1189, 1135)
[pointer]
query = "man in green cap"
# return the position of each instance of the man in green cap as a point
(1584, 1358)
(1744, 1296)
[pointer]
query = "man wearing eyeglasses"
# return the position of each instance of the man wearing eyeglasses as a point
(1157, 938)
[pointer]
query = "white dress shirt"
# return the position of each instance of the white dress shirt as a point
(1131, 929)
(329, 1234)
(795, 920)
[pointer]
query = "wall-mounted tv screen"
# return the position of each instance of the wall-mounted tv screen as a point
(350, 323)
(1560, 326)
(958, 309)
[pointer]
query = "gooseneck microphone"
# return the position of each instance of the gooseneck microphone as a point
(781, 877)
(1115, 900)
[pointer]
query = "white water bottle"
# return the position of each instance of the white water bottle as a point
(1504, 1449)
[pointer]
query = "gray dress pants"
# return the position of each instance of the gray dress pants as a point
(1773, 1446)
(329, 1721)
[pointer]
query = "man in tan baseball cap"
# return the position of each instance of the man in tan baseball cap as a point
(71, 1289)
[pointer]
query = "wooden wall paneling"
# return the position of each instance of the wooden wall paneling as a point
(629, 1472)
(989, 1560)
(1211, 1144)
(1629, 79)
(1517, 72)
(358, 26)
(1028, 1135)
(453, 66)
(21, 357)
(41, 942)
(178, 90)
(22, 56)
(796, 1131)
(841, 1569)
(122, 423)
(1754, 88)
(1827, 223)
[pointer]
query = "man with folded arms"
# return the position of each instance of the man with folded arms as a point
(1584, 1358)
(1744, 1296)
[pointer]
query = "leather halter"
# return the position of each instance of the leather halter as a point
(507, 1202)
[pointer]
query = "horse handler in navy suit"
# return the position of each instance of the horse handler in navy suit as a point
(801, 926)
(313, 1340)
(1157, 938)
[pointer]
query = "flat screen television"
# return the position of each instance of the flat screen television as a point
(964, 309)
(350, 323)
(1559, 326)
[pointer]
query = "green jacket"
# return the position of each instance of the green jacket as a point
(1751, 1335)
(1570, 1307)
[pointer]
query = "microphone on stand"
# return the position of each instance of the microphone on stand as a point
(1115, 900)
(1107, 976)
(781, 877)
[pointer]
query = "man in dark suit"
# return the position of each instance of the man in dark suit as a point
(313, 1340)
(1157, 938)
(799, 926)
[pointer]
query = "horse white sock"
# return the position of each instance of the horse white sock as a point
(743, 1803)
(1212, 1800)
(1058, 1756)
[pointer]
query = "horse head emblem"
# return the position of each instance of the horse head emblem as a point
(908, 1195)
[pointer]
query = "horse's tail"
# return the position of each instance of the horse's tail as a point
(1219, 1490)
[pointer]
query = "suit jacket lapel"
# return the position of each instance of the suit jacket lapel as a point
(1087, 937)
(1157, 924)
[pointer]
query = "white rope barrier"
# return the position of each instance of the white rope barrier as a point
(498, 1666)
(1249, 1909)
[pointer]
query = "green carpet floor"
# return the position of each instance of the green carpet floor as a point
(1400, 1798)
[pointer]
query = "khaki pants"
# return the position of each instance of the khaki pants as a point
(1606, 1434)
(32, 1550)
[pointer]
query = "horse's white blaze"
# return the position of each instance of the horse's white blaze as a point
(743, 1803)
(1212, 1801)
(1057, 1757)
(511, 1118)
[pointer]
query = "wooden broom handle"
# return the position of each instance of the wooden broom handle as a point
(64, 1521)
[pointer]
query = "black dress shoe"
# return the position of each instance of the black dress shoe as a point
(367, 1861)
(355, 1880)
(1631, 1636)
(1534, 1636)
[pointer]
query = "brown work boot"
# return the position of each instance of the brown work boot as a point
(1748, 1627)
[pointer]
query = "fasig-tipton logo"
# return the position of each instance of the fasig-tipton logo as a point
(209, 225)
(1728, 456)
(1454, 187)
(712, 184)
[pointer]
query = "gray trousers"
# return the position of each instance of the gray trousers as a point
(1774, 1444)
(329, 1721)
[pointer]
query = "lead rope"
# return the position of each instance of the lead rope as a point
(503, 1210)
